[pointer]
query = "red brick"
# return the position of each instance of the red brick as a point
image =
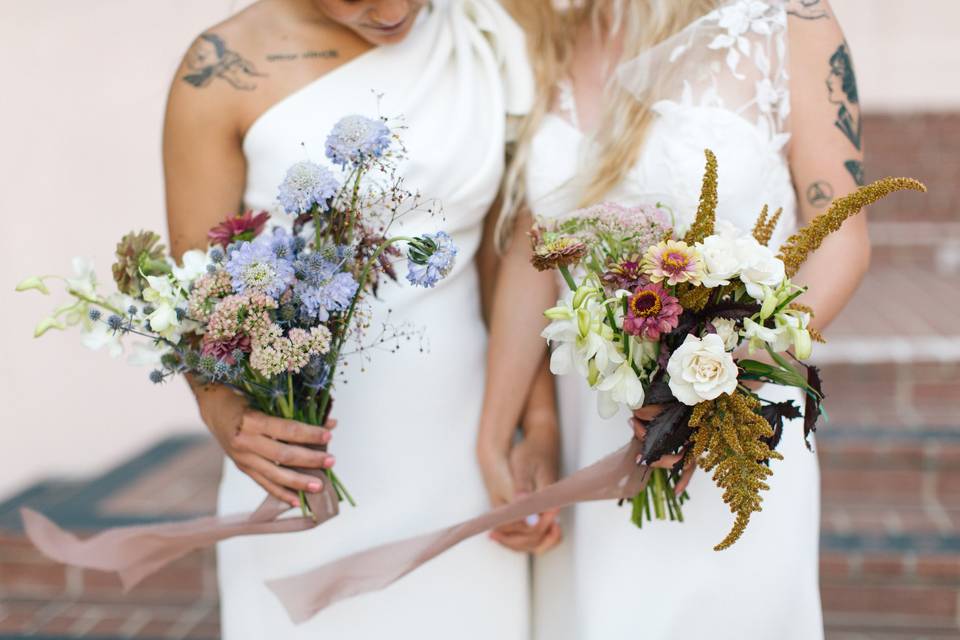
(919, 601)
(834, 566)
(32, 577)
(883, 566)
(940, 568)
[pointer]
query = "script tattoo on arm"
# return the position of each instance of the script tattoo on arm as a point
(820, 194)
(210, 59)
(306, 55)
(842, 91)
(807, 9)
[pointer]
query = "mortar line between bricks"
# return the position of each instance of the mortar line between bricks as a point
(137, 621)
(931, 503)
(45, 615)
(190, 619)
(87, 621)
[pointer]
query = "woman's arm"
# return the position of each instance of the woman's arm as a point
(826, 155)
(205, 171)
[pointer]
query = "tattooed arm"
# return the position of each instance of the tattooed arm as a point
(826, 152)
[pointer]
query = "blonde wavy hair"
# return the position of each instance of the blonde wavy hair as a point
(551, 33)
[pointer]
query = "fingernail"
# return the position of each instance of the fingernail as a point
(314, 487)
(325, 438)
(294, 503)
(329, 462)
(639, 459)
(532, 520)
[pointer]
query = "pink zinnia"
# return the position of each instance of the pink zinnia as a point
(235, 228)
(651, 311)
(674, 261)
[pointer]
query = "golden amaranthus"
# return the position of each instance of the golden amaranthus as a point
(728, 439)
(763, 230)
(707, 211)
(800, 245)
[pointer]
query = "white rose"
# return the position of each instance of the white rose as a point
(701, 369)
(758, 267)
(727, 330)
(721, 260)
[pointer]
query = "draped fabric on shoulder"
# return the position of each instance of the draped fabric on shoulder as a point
(734, 59)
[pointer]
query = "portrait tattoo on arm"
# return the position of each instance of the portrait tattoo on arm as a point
(842, 91)
(210, 58)
(807, 9)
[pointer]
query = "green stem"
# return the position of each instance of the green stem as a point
(658, 497)
(568, 278)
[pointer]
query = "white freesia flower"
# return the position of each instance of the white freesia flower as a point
(622, 387)
(760, 336)
(97, 335)
(194, 265)
(759, 267)
(164, 298)
(84, 281)
(701, 369)
(727, 330)
(579, 336)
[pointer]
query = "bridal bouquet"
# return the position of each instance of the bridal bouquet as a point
(266, 312)
(653, 317)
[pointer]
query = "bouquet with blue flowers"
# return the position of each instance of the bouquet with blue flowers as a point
(268, 313)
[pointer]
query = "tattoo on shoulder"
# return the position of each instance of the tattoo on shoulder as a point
(820, 194)
(807, 9)
(306, 55)
(855, 167)
(210, 58)
(842, 91)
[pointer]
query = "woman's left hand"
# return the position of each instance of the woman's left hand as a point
(533, 466)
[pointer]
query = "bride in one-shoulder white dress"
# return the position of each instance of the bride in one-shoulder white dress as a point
(406, 438)
(709, 87)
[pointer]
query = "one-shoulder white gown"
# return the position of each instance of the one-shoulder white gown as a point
(407, 424)
(608, 580)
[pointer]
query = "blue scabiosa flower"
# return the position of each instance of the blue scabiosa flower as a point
(255, 267)
(305, 185)
(357, 138)
(432, 257)
(321, 287)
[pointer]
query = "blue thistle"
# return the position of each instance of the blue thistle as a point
(156, 376)
(94, 314)
(216, 256)
(115, 322)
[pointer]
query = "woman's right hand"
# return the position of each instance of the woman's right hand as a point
(266, 448)
(641, 417)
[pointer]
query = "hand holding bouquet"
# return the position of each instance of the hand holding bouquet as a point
(654, 318)
(267, 313)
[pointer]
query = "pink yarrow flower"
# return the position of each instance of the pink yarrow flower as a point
(651, 311)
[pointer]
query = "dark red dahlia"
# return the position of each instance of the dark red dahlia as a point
(238, 228)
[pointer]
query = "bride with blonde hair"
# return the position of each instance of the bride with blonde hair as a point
(630, 95)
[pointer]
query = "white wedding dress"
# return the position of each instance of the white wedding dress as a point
(720, 84)
(407, 422)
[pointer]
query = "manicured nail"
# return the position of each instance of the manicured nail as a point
(329, 462)
(639, 459)
(314, 487)
(325, 438)
(294, 503)
(533, 520)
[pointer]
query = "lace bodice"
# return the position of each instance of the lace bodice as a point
(722, 84)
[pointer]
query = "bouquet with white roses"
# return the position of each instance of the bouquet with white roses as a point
(655, 318)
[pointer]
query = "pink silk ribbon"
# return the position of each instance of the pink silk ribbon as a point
(136, 552)
(306, 594)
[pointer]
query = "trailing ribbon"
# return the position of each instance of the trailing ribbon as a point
(306, 594)
(136, 552)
